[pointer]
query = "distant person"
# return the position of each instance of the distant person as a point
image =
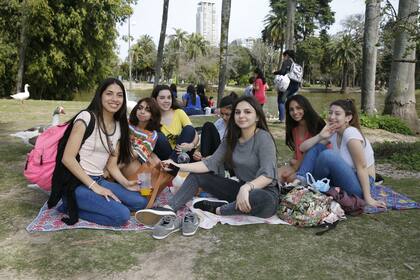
(201, 91)
(211, 102)
(249, 88)
(174, 91)
(288, 59)
(192, 102)
(259, 86)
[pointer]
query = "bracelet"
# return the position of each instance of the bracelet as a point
(251, 185)
(91, 184)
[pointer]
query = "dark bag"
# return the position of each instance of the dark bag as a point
(351, 204)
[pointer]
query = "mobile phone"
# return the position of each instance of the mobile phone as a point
(173, 167)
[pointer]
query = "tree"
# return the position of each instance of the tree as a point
(196, 45)
(345, 53)
(400, 100)
(144, 57)
(159, 58)
(370, 40)
(70, 44)
(290, 27)
(224, 31)
(175, 48)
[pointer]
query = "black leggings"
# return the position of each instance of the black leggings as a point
(263, 201)
(210, 139)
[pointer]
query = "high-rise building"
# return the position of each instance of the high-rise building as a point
(206, 21)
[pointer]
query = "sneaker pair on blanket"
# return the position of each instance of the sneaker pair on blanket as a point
(165, 221)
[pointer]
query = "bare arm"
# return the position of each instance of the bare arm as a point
(69, 160)
(356, 151)
(322, 137)
(115, 172)
(195, 167)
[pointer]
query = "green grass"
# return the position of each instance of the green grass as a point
(364, 247)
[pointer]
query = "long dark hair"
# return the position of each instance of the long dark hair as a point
(120, 116)
(350, 109)
(158, 88)
(234, 132)
(228, 100)
(314, 123)
(191, 92)
(260, 75)
(154, 122)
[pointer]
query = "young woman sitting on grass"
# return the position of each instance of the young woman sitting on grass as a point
(192, 102)
(302, 122)
(144, 124)
(176, 133)
(350, 163)
(250, 150)
(213, 133)
(93, 198)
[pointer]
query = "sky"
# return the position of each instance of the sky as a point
(246, 18)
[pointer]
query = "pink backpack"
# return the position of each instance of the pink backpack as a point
(40, 162)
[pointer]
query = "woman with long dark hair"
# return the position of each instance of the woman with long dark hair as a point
(302, 122)
(176, 132)
(248, 149)
(96, 199)
(192, 102)
(350, 163)
(144, 124)
(259, 86)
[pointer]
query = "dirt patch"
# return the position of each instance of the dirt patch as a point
(388, 170)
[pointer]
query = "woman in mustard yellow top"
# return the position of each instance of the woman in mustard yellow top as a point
(177, 133)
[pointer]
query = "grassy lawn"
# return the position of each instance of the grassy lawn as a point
(382, 246)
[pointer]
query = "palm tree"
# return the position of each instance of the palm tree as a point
(196, 45)
(176, 46)
(224, 32)
(159, 58)
(345, 54)
(143, 53)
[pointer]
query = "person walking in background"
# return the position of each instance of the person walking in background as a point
(288, 60)
(259, 86)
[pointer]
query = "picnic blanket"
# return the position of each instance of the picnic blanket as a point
(50, 219)
(394, 200)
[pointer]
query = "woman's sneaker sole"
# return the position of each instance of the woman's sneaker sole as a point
(150, 217)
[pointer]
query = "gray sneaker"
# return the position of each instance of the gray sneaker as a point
(190, 224)
(166, 226)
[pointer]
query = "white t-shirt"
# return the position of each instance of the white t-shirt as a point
(221, 127)
(352, 133)
(93, 154)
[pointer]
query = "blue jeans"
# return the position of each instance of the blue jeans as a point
(281, 107)
(324, 163)
(95, 208)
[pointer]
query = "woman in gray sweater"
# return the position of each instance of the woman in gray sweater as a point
(248, 149)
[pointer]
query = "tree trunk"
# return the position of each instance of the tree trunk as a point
(290, 28)
(224, 31)
(370, 39)
(344, 78)
(400, 100)
(22, 48)
(159, 58)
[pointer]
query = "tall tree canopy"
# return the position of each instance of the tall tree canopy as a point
(70, 44)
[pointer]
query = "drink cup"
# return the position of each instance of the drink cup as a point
(145, 183)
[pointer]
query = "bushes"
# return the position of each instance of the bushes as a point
(404, 155)
(385, 122)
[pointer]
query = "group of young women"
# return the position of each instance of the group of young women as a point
(157, 130)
